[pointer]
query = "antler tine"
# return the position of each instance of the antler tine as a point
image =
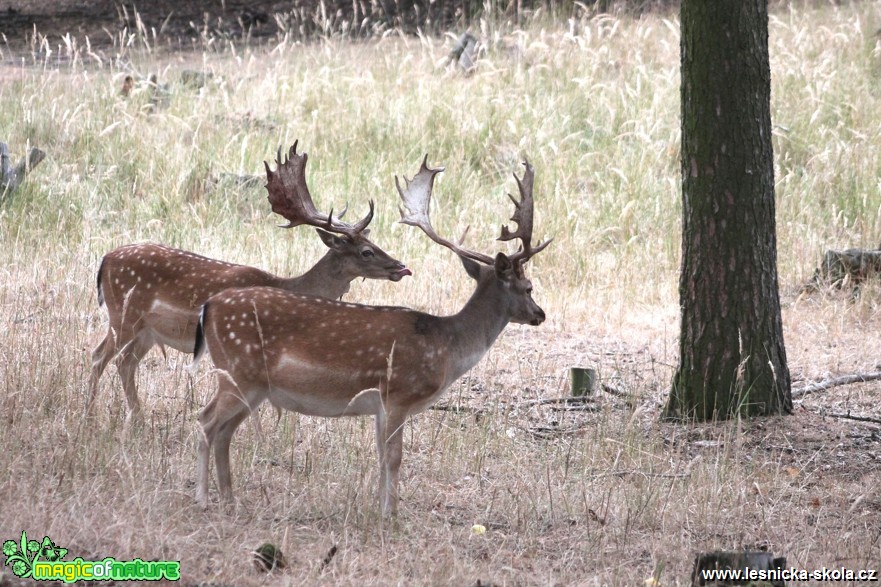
(290, 198)
(522, 216)
(416, 196)
(361, 224)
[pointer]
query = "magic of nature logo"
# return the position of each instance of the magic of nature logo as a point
(44, 561)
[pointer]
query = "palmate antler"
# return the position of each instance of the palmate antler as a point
(290, 198)
(523, 218)
(416, 196)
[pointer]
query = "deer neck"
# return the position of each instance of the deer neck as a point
(325, 279)
(472, 331)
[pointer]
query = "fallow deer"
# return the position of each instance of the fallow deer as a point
(327, 358)
(153, 293)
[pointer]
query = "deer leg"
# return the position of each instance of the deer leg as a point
(101, 357)
(219, 420)
(127, 366)
(207, 419)
(221, 451)
(389, 444)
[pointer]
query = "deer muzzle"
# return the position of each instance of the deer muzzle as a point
(399, 272)
(538, 318)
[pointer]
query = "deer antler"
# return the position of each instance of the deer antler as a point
(290, 198)
(523, 217)
(416, 196)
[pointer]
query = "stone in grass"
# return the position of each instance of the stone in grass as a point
(269, 557)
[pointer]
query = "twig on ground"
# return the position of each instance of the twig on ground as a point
(328, 557)
(625, 472)
(547, 432)
(578, 399)
(614, 391)
(835, 382)
(457, 409)
(575, 408)
(855, 418)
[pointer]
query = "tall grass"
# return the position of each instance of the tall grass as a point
(585, 497)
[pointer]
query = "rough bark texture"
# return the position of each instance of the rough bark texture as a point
(731, 357)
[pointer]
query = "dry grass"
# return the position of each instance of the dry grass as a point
(591, 497)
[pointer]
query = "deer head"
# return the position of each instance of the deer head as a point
(290, 198)
(506, 271)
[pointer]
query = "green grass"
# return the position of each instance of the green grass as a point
(609, 499)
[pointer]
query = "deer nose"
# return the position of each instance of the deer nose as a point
(539, 318)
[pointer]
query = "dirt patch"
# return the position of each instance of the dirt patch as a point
(183, 23)
(102, 20)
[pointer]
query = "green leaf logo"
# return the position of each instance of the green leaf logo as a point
(10, 547)
(17, 557)
(21, 556)
(50, 551)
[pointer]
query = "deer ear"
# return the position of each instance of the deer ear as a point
(331, 240)
(471, 266)
(504, 267)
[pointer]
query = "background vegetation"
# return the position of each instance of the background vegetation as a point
(604, 495)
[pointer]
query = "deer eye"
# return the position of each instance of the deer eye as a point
(366, 253)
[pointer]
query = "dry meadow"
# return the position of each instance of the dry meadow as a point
(600, 493)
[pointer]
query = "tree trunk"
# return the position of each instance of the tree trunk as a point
(731, 356)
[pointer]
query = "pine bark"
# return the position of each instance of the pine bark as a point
(731, 358)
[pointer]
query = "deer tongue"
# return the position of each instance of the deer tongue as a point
(400, 274)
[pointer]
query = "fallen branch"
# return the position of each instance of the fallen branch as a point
(457, 409)
(835, 382)
(549, 432)
(328, 557)
(11, 178)
(855, 418)
(614, 391)
(575, 408)
(578, 399)
(626, 472)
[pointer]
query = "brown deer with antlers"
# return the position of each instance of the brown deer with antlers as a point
(153, 293)
(326, 358)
